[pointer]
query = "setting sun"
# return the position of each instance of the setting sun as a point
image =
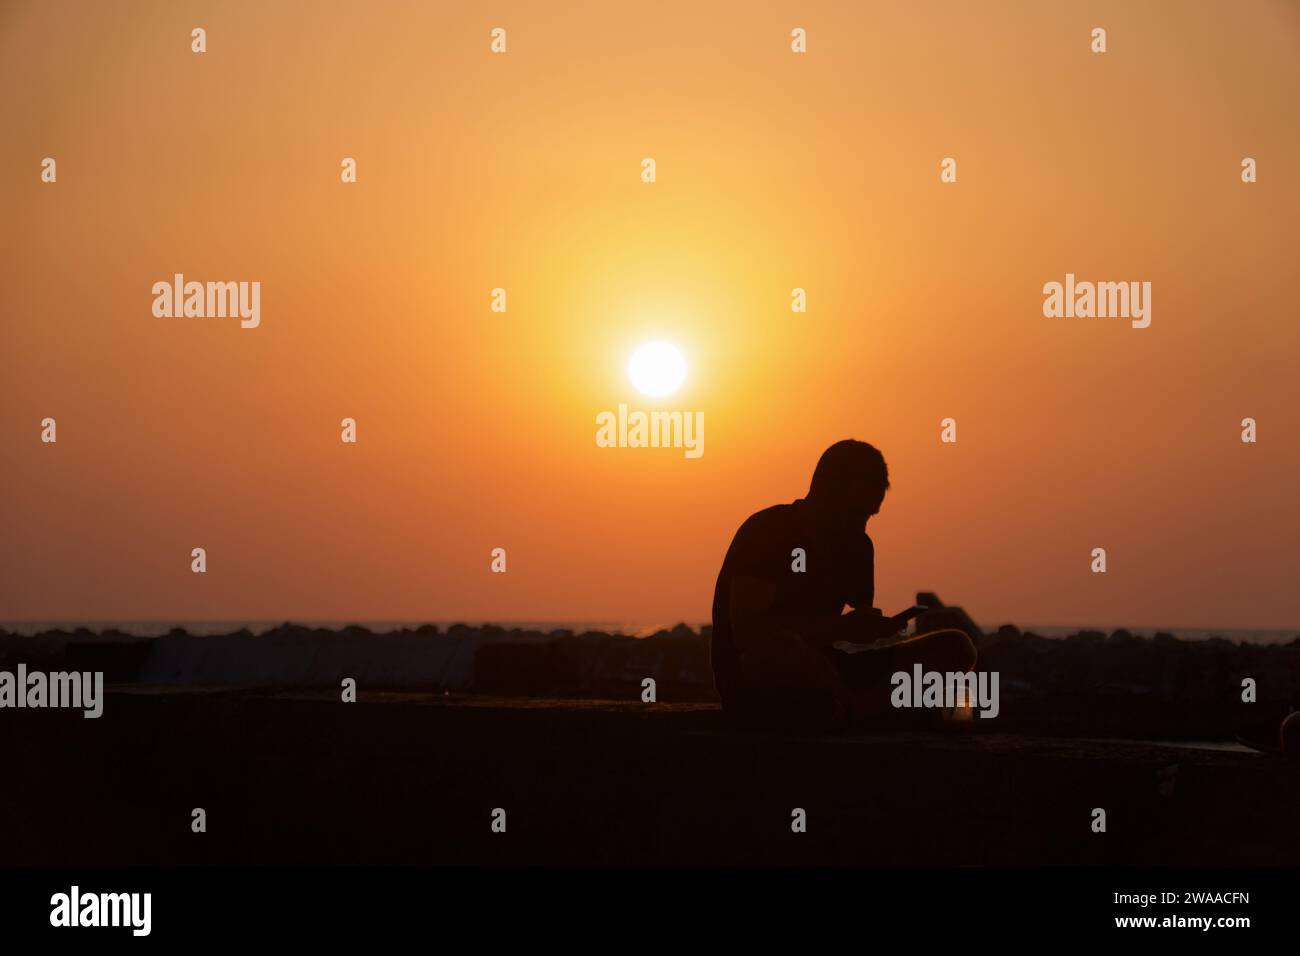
(657, 369)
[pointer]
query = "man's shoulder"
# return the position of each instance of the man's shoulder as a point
(762, 537)
(772, 521)
(782, 524)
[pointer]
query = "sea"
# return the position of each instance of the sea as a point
(642, 629)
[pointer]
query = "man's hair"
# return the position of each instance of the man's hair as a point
(847, 465)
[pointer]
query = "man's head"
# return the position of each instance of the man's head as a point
(849, 484)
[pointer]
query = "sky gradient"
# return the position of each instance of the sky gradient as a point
(522, 171)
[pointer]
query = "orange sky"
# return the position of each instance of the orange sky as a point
(476, 430)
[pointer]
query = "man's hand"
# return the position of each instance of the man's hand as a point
(864, 625)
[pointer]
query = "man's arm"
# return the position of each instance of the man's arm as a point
(869, 623)
(754, 619)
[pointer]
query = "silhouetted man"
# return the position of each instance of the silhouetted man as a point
(779, 606)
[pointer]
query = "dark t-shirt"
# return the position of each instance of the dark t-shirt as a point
(838, 572)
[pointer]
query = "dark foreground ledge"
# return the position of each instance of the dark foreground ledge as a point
(397, 778)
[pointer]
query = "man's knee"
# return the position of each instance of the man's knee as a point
(948, 650)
